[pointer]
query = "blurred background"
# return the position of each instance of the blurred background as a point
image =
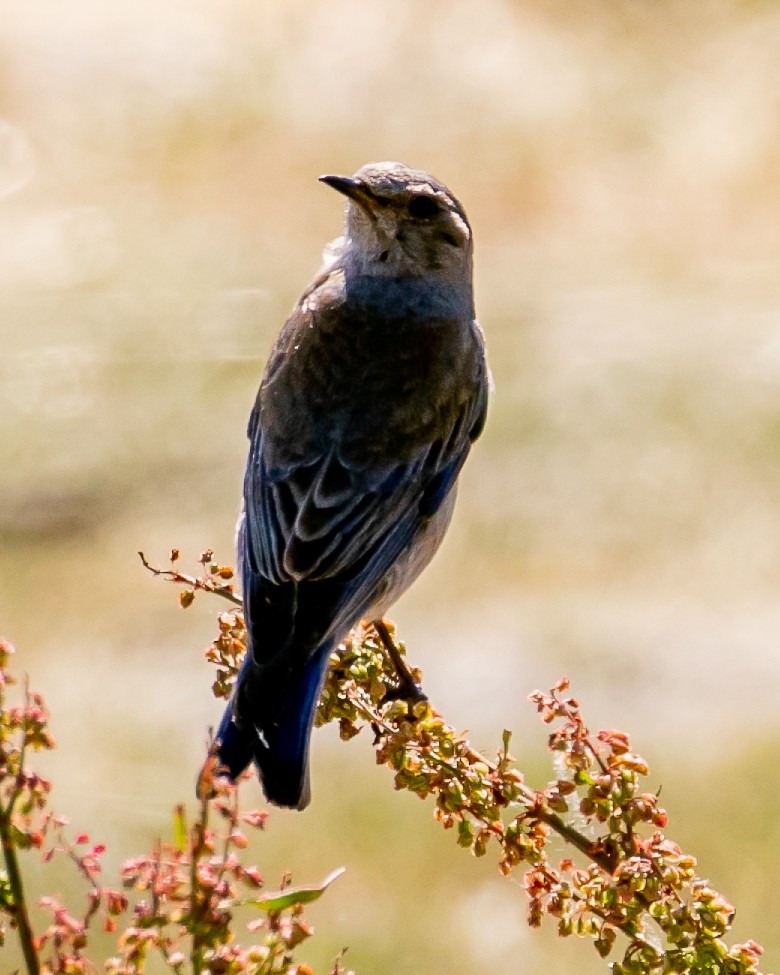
(619, 522)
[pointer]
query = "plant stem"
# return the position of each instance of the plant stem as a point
(569, 833)
(205, 584)
(198, 835)
(19, 904)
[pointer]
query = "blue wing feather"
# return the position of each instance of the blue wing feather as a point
(327, 521)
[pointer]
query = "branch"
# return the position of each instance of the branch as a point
(205, 583)
(531, 799)
(19, 904)
(632, 877)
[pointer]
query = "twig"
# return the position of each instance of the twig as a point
(531, 800)
(204, 583)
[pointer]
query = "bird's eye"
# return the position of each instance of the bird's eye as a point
(423, 207)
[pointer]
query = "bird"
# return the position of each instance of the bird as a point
(372, 396)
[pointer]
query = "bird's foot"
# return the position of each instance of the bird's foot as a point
(408, 688)
(412, 693)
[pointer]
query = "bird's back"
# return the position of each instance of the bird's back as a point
(376, 369)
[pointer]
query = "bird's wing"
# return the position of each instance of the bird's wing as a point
(325, 518)
(326, 514)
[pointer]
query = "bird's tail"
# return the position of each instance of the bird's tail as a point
(279, 746)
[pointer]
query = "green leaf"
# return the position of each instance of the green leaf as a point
(6, 894)
(179, 829)
(281, 899)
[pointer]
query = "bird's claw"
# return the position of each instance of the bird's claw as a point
(410, 692)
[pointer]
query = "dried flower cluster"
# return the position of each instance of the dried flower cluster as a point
(177, 904)
(628, 879)
(625, 886)
(632, 880)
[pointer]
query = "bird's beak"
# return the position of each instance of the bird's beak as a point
(351, 187)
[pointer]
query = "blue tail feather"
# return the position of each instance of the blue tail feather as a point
(280, 748)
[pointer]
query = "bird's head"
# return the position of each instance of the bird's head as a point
(403, 222)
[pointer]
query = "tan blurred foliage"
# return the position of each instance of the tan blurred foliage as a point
(159, 214)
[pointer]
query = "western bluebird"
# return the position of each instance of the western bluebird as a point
(372, 396)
